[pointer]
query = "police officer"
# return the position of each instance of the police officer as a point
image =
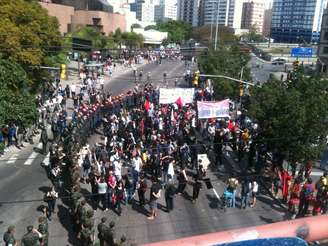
(102, 228)
(43, 229)
(9, 237)
(31, 238)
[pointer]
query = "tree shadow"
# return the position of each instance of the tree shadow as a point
(266, 200)
(88, 196)
(65, 219)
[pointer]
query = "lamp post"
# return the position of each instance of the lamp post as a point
(217, 26)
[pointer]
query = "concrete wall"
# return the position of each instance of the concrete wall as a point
(107, 22)
(63, 13)
(73, 19)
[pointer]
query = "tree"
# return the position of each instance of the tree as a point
(99, 40)
(136, 25)
(150, 27)
(27, 33)
(293, 116)
(228, 61)
(203, 35)
(16, 103)
(178, 31)
(132, 39)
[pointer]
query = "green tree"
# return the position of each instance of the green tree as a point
(132, 39)
(16, 103)
(178, 31)
(293, 116)
(99, 40)
(228, 61)
(27, 35)
(150, 27)
(203, 35)
(136, 25)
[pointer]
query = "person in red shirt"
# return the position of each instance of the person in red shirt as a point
(294, 196)
(111, 182)
(285, 178)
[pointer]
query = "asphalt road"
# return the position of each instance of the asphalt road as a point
(23, 181)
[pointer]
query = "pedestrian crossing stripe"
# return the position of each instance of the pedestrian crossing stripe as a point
(30, 159)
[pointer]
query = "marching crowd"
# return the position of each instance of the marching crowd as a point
(144, 140)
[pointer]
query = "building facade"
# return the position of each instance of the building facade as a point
(225, 12)
(145, 10)
(166, 10)
(297, 21)
(71, 19)
(266, 30)
(253, 15)
(323, 43)
(188, 11)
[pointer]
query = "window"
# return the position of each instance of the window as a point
(325, 36)
(325, 50)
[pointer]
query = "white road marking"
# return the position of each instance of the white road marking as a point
(30, 159)
(12, 159)
(46, 160)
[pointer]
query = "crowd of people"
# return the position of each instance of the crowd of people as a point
(146, 148)
(299, 192)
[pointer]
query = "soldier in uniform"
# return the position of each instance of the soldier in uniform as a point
(9, 237)
(102, 228)
(87, 235)
(43, 229)
(87, 218)
(44, 139)
(109, 234)
(31, 238)
(81, 211)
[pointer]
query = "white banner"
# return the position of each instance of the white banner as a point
(167, 96)
(208, 109)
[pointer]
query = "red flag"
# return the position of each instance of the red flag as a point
(147, 105)
(179, 102)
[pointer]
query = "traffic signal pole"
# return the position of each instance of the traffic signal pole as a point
(227, 77)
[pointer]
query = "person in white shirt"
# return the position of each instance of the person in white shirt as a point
(255, 189)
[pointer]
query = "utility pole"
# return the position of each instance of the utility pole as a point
(217, 26)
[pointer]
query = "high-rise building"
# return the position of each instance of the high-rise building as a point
(225, 12)
(146, 10)
(323, 43)
(253, 15)
(266, 32)
(297, 21)
(166, 10)
(188, 10)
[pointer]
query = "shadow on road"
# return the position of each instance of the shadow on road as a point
(65, 219)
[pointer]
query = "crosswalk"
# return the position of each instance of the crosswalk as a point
(26, 160)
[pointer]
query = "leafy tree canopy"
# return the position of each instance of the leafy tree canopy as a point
(27, 32)
(178, 31)
(16, 104)
(203, 35)
(228, 61)
(293, 115)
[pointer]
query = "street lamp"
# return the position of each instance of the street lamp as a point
(217, 26)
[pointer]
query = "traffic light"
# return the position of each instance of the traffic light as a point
(196, 79)
(241, 89)
(296, 64)
(62, 71)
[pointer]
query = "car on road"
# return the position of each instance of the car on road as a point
(279, 61)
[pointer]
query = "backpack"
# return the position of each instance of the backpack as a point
(308, 191)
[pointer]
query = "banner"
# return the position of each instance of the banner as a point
(173, 95)
(208, 109)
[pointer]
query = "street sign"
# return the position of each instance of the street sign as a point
(79, 44)
(302, 52)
